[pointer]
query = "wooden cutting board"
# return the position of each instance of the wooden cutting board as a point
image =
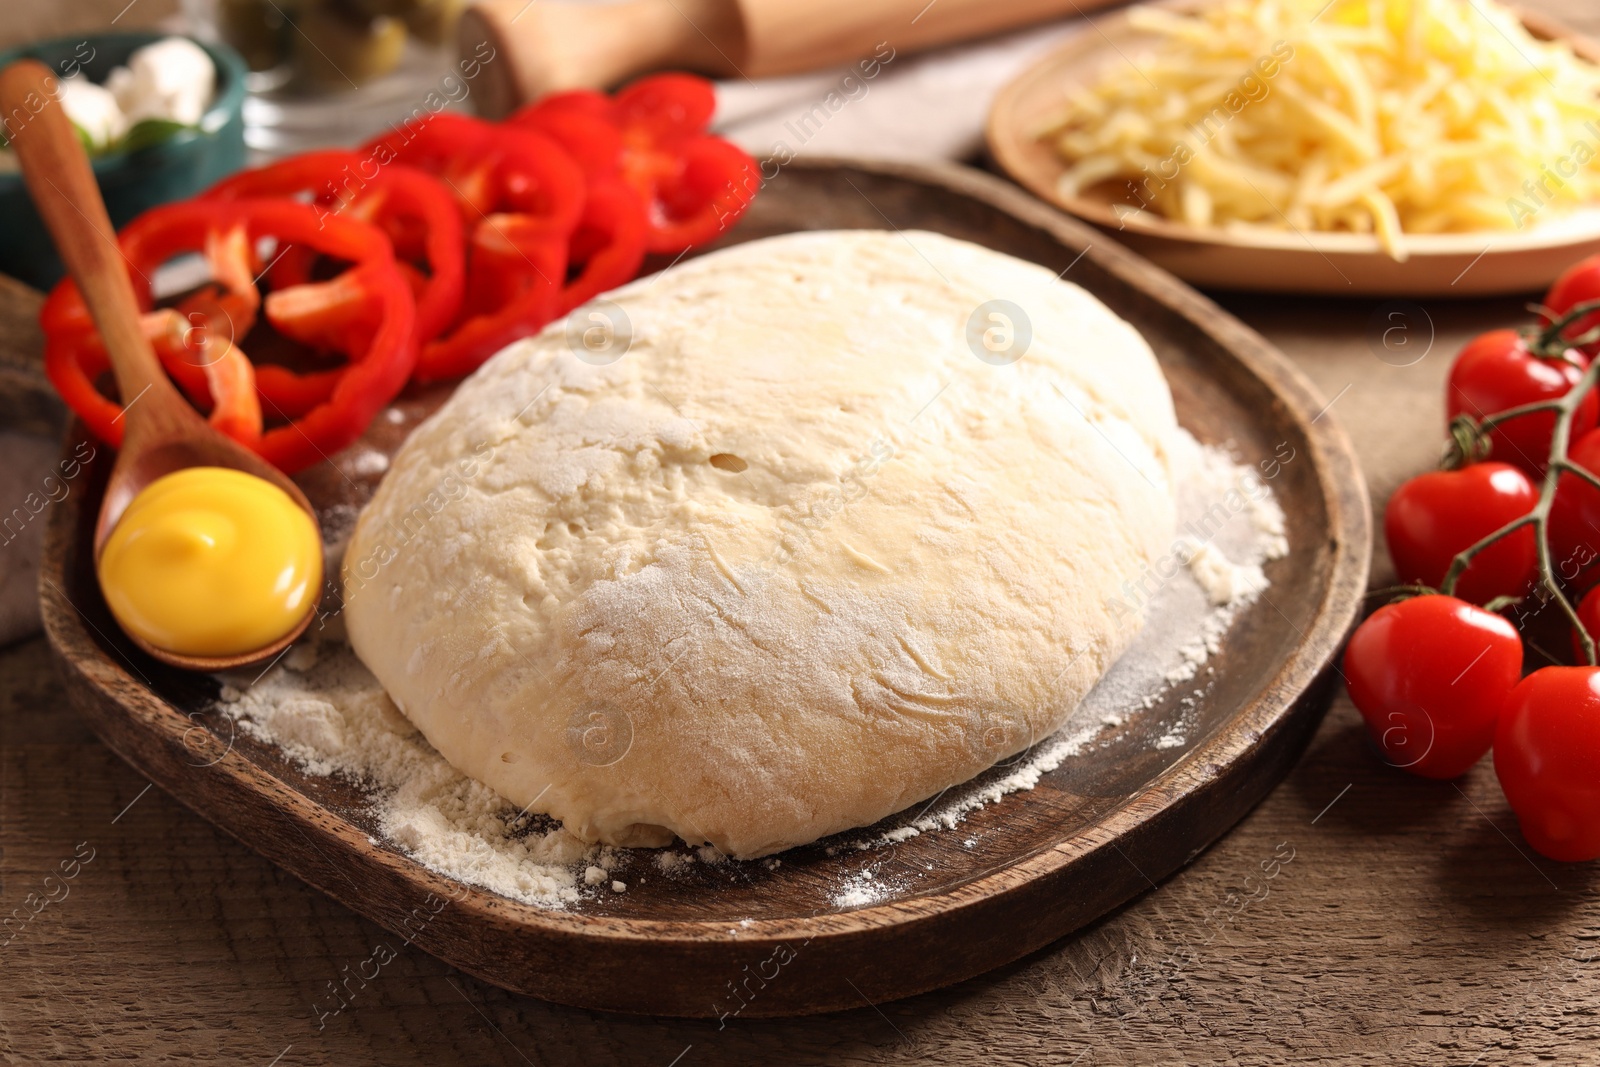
(1103, 827)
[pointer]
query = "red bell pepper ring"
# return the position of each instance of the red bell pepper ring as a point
(375, 310)
(517, 264)
(666, 107)
(290, 395)
(522, 197)
(417, 212)
(584, 123)
(75, 359)
(191, 341)
(490, 168)
(696, 191)
(608, 244)
(694, 185)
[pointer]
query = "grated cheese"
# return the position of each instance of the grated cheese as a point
(1388, 117)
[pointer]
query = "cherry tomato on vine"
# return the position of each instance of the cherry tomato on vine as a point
(1429, 676)
(1575, 518)
(1435, 515)
(1579, 284)
(1589, 615)
(1547, 756)
(1496, 372)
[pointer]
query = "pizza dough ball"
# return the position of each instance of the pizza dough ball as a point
(771, 545)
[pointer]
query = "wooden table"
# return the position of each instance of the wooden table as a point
(1409, 924)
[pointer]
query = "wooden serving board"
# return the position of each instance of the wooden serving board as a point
(1017, 874)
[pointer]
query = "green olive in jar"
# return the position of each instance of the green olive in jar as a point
(434, 21)
(334, 51)
(381, 8)
(256, 30)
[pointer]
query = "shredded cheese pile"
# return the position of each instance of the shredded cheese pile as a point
(1390, 117)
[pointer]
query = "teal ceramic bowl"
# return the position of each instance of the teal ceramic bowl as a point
(131, 182)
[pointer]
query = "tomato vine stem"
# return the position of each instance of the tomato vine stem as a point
(1468, 435)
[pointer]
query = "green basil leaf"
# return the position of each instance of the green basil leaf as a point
(147, 132)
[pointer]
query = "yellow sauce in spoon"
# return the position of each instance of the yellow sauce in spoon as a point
(209, 561)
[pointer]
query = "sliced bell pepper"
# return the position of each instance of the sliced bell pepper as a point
(696, 190)
(666, 107)
(416, 210)
(582, 121)
(198, 342)
(194, 342)
(516, 264)
(522, 196)
(608, 245)
(694, 185)
(490, 168)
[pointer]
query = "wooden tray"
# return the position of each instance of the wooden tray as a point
(1097, 831)
(1291, 261)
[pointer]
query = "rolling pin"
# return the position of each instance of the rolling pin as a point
(524, 48)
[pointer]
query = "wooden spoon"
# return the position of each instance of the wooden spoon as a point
(163, 433)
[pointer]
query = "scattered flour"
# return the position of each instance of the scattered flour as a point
(327, 713)
(364, 463)
(859, 890)
(330, 717)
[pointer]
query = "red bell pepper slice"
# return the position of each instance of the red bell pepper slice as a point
(694, 185)
(291, 395)
(516, 265)
(522, 197)
(696, 190)
(417, 212)
(666, 107)
(194, 342)
(608, 244)
(490, 168)
(373, 313)
(582, 121)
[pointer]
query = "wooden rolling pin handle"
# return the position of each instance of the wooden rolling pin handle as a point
(63, 188)
(544, 45)
(525, 50)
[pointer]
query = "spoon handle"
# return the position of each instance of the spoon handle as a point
(63, 188)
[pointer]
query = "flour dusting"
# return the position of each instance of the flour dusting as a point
(324, 710)
(327, 713)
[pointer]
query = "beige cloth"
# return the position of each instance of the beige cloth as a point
(926, 106)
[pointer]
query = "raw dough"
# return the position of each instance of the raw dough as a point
(796, 561)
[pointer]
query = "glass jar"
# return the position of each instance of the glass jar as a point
(332, 73)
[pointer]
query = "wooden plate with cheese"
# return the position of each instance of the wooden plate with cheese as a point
(1528, 246)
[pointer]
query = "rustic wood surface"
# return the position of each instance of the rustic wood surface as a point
(1412, 925)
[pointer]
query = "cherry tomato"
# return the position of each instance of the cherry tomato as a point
(1589, 615)
(1435, 515)
(1547, 756)
(1497, 372)
(1429, 675)
(1575, 518)
(1578, 285)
